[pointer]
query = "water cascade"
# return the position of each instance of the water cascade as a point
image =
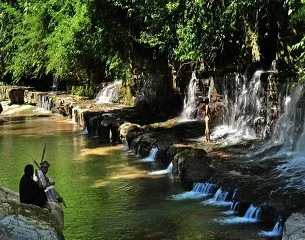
(219, 199)
(252, 215)
(138, 151)
(289, 132)
(109, 93)
(276, 231)
(234, 208)
(242, 112)
(290, 123)
(199, 190)
(165, 171)
(152, 155)
(55, 84)
(45, 102)
(190, 103)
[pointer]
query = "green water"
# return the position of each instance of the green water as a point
(108, 192)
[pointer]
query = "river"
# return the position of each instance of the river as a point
(108, 193)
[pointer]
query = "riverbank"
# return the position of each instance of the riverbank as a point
(234, 168)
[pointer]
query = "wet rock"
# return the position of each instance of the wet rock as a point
(294, 228)
(16, 95)
(192, 166)
(163, 146)
(25, 221)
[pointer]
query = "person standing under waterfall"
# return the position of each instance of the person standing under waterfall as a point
(29, 191)
(207, 120)
(47, 183)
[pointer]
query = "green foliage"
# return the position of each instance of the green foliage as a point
(84, 91)
(73, 38)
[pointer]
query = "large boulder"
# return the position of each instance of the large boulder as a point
(192, 166)
(26, 221)
(16, 95)
(294, 228)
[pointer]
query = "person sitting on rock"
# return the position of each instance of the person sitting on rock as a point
(29, 190)
(47, 183)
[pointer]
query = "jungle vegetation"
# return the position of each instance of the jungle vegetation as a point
(72, 39)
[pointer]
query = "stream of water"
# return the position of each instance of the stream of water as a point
(108, 191)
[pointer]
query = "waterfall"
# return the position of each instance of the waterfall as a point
(204, 188)
(289, 132)
(290, 123)
(276, 231)
(190, 103)
(199, 190)
(109, 93)
(242, 112)
(152, 155)
(45, 102)
(219, 199)
(138, 151)
(55, 84)
(252, 215)
(165, 171)
(234, 208)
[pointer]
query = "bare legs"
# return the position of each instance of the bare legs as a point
(207, 129)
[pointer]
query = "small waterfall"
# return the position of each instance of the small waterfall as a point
(55, 84)
(276, 231)
(45, 102)
(138, 151)
(234, 208)
(165, 171)
(190, 103)
(252, 215)
(109, 93)
(152, 155)
(219, 199)
(235, 193)
(199, 190)
(204, 188)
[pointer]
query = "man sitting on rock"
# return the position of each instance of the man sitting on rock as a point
(29, 190)
(47, 183)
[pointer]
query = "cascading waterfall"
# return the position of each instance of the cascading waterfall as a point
(199, 190)
(55, 84)
(220, 199)
(234, 208)
(109, 93)
(190, 103)
(165, 171)
(252, 215)
(290, 123)
(288, 133)
(243, 102)
(276, 231)
(152, 155)
(45, 102)
(253, 212)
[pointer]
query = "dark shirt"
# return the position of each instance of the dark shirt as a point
(30, 192)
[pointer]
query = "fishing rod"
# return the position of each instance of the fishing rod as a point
(42, 157)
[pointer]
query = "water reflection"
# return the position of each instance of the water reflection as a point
(108, 191)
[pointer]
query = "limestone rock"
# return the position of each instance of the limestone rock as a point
(294, 228)
(26, 221)
(16, 95)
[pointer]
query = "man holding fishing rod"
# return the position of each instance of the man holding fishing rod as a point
(47, 183)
